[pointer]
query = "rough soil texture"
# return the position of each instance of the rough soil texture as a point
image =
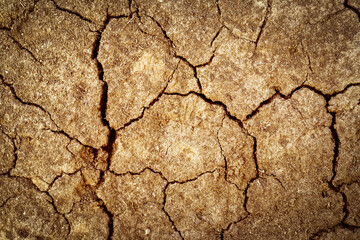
(159, 119)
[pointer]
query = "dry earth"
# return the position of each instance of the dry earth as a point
(188, 119)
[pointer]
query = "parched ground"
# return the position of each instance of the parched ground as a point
(186, 119)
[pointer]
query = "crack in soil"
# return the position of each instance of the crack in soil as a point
(167, 214)
(335, 138)
(355, 10)
(14, 151)
(71, 12)
(263, 24)
(25, 49)
(108, 148)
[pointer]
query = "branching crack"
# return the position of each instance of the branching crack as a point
(172, 46)
(156, 99)
(12, 89)
(71, 12)
(208, 100)
(229, 225)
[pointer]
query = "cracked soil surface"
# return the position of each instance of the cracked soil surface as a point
(188, 119)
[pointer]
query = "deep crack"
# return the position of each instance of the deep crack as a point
(355, 10)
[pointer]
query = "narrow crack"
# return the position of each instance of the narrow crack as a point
(208, 100)
(222, 151)
(167, 214)
(263, 24)
(172, 46)
(344, 90)
(162, 176)
(51, 201)
(62, 214)
(25, 49)
(193, 179)
(238, 121)
(308, 60)
(216, 35)
(194, 70)
(261, 105)
(14, 151)
(279, 94)
(25, 14)
(355, 10)
(6, 200)
(12, 89)
(335, 136)
(229, 225)
(62, 132)
(218, 7)
(71, 12)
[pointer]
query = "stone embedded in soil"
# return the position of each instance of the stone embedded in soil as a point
(177, 136)
(203, 207)
(352, 193)
(347, 112)
(51, 65)
(294, 149)
(137, 67)
(27, 213)
(191, 25)
(136, 203)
